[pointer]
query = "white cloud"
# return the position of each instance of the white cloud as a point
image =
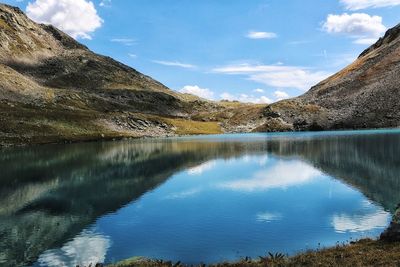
(363, 4)
(246, 98)
(279, 76)
(198, 170)
(258, 91)
(124, 41)
(261, 35)
(132, 55)
(174, 64)
(353, 223)
(268, 217)
(76, 17)
(85, 250)
(196, 90)
(365, 29)
(282, 175)
(280, 95)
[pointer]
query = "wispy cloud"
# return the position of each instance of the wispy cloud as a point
(278, 76)
(183, 194)
(299, 42)
(268, 217)
(175, 64)
(363, 4)
(361, 27)
(261, 35)
(132, 55)
(124, 41)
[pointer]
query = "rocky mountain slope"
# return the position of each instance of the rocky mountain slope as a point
(363, 95)
(54, 89)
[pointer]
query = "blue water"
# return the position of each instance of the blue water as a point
(196, 199)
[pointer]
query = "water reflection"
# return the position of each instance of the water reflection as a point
(270, 188)
(282, 174)
(83, 250)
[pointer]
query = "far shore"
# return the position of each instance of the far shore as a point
(39, 141)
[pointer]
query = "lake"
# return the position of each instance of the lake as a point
(195, 199)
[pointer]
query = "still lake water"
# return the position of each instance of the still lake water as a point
(195, 199)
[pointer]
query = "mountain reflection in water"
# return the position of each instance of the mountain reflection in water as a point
(53, 198)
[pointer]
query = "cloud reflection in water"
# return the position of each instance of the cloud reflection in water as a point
(85, 249)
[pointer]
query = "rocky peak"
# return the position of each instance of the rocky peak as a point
(22, 39)
(391, 35)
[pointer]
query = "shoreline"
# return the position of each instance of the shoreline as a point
(109, 138)
(365, 252)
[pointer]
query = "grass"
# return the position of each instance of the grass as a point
(365, 252)
(190, 127)
(21, 125)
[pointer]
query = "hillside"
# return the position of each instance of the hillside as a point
(363, 95)
(54, 89)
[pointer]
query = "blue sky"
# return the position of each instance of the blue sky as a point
(253, 51)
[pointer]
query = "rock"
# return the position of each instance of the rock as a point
(392, 233)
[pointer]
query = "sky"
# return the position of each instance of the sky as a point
(257, 51)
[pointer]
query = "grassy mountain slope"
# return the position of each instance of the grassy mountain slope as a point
(53, 88)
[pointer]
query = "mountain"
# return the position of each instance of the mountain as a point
(365, 94)
(54, 89)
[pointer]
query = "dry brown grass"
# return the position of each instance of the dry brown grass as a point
(362, 253)
(190, 127)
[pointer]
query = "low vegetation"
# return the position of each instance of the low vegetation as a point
(365, 252)
(190, 127)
